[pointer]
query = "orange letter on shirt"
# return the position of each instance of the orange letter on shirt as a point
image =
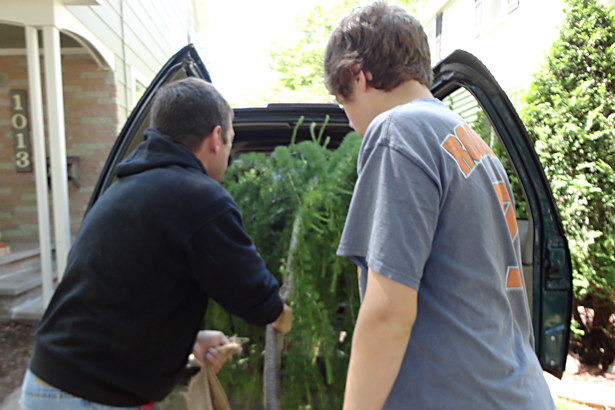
(467, 142)
(514, 275)
(514, 278)
(483, 146)
(511, 219)
(464, 161)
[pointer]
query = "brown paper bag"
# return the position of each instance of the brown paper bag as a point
(205, 391)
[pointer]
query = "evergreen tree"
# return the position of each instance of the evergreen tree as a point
(570, 114)
(309, 182)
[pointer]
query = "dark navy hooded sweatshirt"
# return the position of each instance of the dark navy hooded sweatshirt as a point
(149, 254)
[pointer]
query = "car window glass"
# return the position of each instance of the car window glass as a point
(463, 103)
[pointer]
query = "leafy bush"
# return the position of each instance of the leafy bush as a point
(309, 182)
(570, 114)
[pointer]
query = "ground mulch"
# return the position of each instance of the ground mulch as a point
(16, 344)
(578, 373)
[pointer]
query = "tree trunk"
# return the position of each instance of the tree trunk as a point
(272, 385)
(596, 348)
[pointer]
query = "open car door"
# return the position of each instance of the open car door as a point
(185, 63)
(545, 256)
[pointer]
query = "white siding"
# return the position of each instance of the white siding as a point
(457, 26)
(142, 34)
(464, 104)
(512, 47)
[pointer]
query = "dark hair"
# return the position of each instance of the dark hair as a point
(382, 39)
(188, 110)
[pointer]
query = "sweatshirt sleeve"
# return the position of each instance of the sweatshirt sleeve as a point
(227, 266)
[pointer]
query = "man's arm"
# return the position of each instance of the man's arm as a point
(379, 343)
(285, 321)
(225, 263)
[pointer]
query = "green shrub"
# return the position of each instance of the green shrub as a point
(570, 114)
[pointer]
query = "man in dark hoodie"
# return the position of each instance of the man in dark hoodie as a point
(150, 253)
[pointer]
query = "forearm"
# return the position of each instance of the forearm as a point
(378, 349)
(379, 343)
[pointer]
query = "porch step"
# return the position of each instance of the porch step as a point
(21, 283)
(22, 256)
(30, 311)
(16, 283)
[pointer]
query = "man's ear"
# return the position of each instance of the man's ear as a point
(362, 78)
(213, 141)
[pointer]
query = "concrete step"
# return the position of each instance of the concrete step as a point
(21, 282)
(30, 311)
(22, 256)
(16, 283)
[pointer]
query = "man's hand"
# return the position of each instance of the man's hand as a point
(205, 348)
(285, 321)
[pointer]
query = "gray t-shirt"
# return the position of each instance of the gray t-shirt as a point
(433, 209)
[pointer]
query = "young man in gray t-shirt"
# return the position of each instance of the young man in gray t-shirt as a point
(444, 321)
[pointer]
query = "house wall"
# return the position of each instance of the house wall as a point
(511, 46)
(137, 37)
(142, 34)
(92, 124)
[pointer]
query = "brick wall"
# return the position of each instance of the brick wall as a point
(92, 124)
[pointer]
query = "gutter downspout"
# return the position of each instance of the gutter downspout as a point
(128, 95)
(57, 144)
(40, 162)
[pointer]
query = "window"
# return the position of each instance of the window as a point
(489, 13)
(137, 86)
(465, 104)
(139, 90)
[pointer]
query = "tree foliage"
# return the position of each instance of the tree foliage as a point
(308, 181)
(300, 61)
(570, 114)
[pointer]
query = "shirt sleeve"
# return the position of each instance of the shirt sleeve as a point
(230, 270)
(392, 217)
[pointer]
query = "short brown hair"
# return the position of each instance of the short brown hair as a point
(188, 110)
(382, 39)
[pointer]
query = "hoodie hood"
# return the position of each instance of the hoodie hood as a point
(157, 151)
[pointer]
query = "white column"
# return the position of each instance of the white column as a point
(40, 161)
(57, 143)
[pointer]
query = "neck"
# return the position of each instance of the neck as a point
(402, 94)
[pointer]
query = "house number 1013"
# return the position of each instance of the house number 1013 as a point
(21, 135)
